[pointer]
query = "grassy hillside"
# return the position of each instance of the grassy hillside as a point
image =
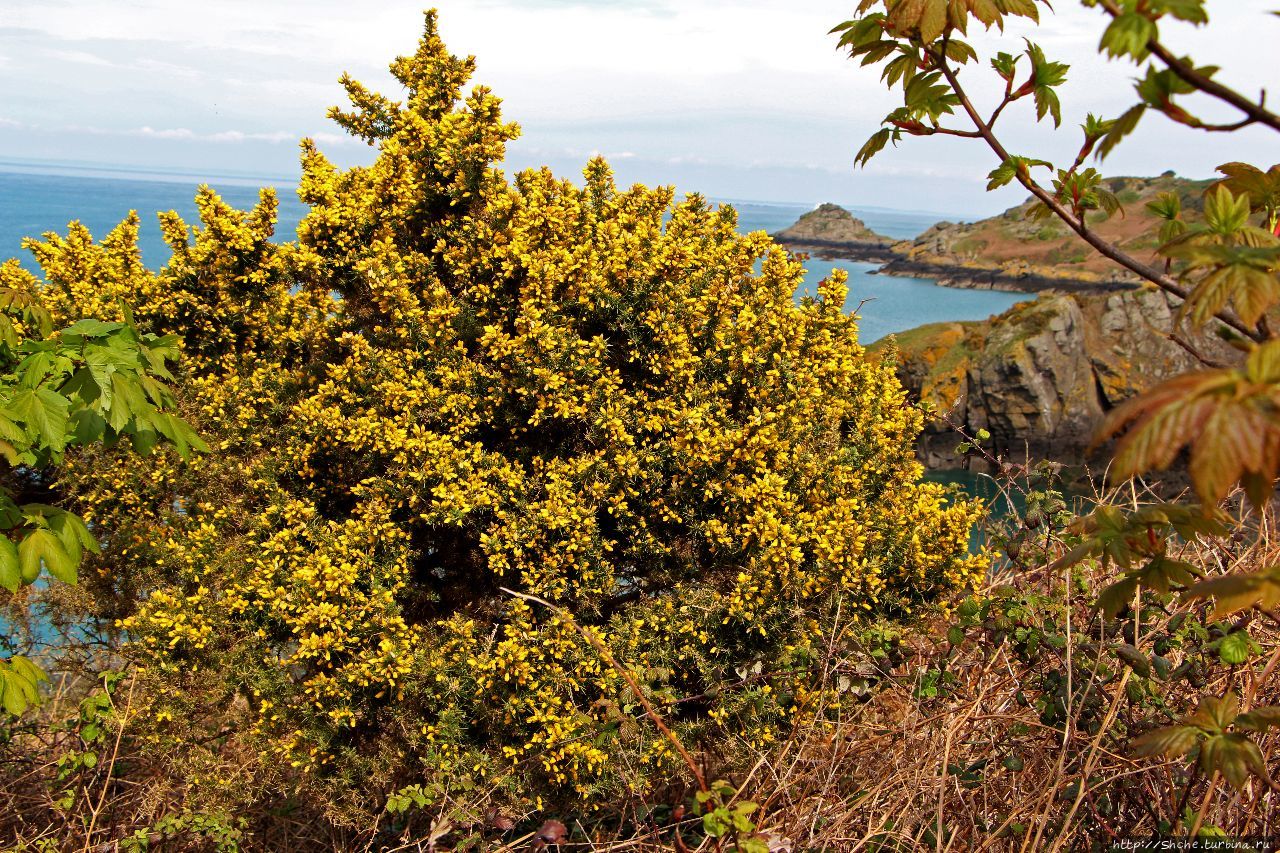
(1014, 240)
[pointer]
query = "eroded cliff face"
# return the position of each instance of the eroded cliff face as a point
(1042, 376)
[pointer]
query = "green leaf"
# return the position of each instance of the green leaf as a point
(1117, 596)
(1045, 76)
(19, 684)
(1259, 719)
(73, 533)
(91, 328)
(44, 412)
(184, 438)
(1169, 742)
(87, 427)
(129, 402)
(1235, 648)
(1234, 756)
(1233, 593)
(1191, 11)
(933, 20)
(1120, 128)
(1005, 65)
(1009, 169)
(873, 146)
(1128, 35)
(41, 546)
(1214, 715)
(34, 369)
(10, 571)
(1225, 212)
(1136, 660)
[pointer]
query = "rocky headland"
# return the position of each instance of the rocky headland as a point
(1012, 251)
(1041, 377)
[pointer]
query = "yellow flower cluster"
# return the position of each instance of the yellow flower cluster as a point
(451, 384)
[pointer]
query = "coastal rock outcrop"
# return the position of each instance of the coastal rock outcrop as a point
(1013, 251)
(831, 231)
(1041, 377)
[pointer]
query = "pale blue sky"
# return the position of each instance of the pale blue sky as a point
(745, 99)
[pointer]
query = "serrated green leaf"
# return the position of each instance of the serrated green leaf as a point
(10, 571)
(1214, 715)
(1233, 593)
(933, 20)
(1128, 35)
(1120, 128)
(44, 412)
(1117, 596)
(1169, 742)
(43, 547)
(1234, 756)
(873, 146)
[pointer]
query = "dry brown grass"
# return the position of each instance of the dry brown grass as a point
(974, 767)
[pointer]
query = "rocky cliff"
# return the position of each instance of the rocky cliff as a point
(1041, 377)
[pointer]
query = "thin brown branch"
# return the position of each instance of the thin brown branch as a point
(949, 131)
(1077, 224)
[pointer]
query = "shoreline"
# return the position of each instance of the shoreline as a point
(895, 263)
(990, 278)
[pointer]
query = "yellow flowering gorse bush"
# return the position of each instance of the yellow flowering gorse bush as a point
(452, 384)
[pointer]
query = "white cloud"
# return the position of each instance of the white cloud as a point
(169, 68)
(182, 134)
(741, 84)
(167, 133)
(80, 57)
(275, 137)
(325, 138)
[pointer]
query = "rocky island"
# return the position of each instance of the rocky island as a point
(829, 231)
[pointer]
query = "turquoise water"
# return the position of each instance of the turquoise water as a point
(32, 203)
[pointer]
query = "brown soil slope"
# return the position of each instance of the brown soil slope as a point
(1016, 244)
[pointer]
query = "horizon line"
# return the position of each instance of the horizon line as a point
(103, 170)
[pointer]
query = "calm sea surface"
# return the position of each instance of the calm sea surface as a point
(32, 203)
